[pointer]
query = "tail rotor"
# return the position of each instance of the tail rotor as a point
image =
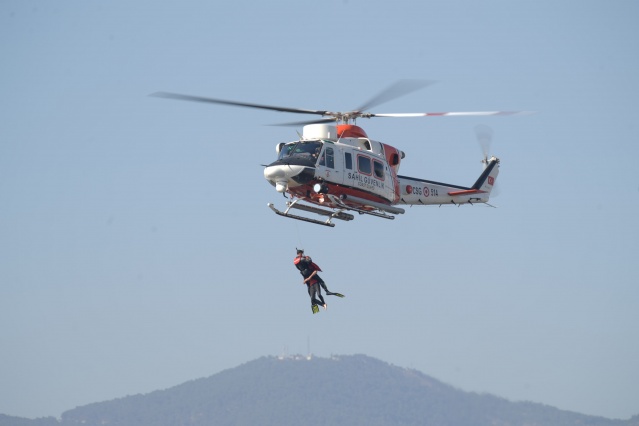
(484, 135)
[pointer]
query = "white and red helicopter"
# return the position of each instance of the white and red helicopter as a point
(335, 167)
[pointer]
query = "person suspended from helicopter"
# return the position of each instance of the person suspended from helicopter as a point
(315, 283)
(305, 264)
(314, 291)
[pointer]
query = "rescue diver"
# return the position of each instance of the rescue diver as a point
(305, 266)
(309, 271)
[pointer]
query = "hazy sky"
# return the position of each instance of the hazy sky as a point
(137, 250)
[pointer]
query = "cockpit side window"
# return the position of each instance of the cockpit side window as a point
(304, 149)
(307, 148)
(328, 158)
(286, 151)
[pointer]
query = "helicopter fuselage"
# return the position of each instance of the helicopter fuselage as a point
(341, 162)
(337, 166)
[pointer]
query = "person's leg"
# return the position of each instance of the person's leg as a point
(322, 284)
(320, 299)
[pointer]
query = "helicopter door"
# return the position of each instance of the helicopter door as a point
(390, 184)
(330, 165)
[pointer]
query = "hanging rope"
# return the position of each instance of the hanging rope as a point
(299, 237)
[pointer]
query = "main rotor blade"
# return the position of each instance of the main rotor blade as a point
(234, 103)
(401, 88)
(449, 114)
(304, 123)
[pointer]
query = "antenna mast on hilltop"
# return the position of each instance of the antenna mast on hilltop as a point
(284, 353)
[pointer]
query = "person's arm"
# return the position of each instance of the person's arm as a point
(310, 276)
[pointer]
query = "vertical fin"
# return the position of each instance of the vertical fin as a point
(488, 177)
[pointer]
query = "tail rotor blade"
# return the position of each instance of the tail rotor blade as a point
(484, 136)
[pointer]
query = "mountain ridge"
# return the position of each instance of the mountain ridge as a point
(342, 389)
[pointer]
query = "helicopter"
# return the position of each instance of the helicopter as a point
(334, 169)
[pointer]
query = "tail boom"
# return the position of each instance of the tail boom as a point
(416, 191)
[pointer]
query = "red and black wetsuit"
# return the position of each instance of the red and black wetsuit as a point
(306, 265)
(306, 268)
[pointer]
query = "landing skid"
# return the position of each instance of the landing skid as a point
(323, 212)
(337, 214)
(361, 211)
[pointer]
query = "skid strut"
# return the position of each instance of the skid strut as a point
(329, 213)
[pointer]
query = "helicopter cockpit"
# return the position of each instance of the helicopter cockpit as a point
(301, 152)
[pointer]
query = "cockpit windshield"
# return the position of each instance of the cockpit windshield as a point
(308, 150)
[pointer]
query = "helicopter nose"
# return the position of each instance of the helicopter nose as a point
(280, 175)
(284, 175)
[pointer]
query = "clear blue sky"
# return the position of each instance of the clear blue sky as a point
(137, 251)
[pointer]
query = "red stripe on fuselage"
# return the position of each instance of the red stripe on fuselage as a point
(467, 192)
